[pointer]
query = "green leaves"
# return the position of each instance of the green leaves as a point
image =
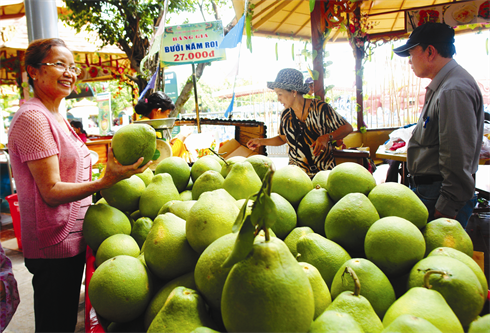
(248, 29)
(262, 217)
(312, 5)
(156, 155)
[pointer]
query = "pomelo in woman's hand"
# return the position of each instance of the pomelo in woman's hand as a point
(132, 142)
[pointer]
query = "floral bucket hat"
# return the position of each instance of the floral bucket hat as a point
(289, 79)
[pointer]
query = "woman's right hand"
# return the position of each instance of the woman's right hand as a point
(254, 143)
(116, 172)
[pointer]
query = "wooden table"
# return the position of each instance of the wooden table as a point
(482, 177)
(381, 153)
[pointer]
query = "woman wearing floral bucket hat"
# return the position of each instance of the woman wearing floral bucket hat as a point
(308, 126)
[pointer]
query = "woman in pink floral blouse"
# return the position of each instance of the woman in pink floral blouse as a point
(9, 295)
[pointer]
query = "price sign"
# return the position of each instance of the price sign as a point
(192, 43)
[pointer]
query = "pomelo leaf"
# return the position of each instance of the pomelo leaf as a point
(243, 244)
(156, 155)
(241, 215)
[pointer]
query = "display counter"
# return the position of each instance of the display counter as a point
(101, 147)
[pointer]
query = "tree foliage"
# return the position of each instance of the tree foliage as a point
(130, 25)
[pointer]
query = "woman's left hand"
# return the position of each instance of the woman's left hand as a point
(320, 146)
(116, 172)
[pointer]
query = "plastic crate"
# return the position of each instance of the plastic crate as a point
(15, 213)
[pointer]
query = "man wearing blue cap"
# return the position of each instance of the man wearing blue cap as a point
(443, 152)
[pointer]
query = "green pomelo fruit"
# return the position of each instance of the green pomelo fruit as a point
(242, 181)
(410, 324)
(160, 191)
(286, 216)
(359, 308)
(446, 232)
(134, 216)
(326, 255)
(202, 165)
(375, 286)
(208, 181)
(292, 183)
(178, 168)
(455, 281)
(225, 169)
(135, 325)
(146, 176)
(348, 178)
(216, 158)
(321, 294)
(183, 311)
(334, 322)
(125, 194)
(157, 302)
(481, 325)
(133, 141)
(321, 178)
(467, 260)
(102, 221)
(349, 220)
(210, 277)
(427, 304)
(267, 292)
(182, 208)
(395, 199)
(102, 201)
(166, 207)
(292, 239)
(120, 289)
(190, 184)
(261, 164)
(313, 209)
(140, 230)
(211, 217)
(167, 252)
(186, 195)
(202, 329)
(115, 245)
(394, 245)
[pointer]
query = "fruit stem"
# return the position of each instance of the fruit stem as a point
(427, 277)
(219, 155)
(267, 234)
(357, 283)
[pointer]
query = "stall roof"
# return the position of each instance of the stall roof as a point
(291, 18)
(86, 47)
(16, 8)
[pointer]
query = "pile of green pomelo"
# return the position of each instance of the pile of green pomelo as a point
(338, 253)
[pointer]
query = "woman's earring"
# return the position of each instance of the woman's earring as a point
(294, 95)
(34, 78)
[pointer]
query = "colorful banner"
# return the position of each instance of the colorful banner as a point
(105, 114)
(465, 13)
(192, 43)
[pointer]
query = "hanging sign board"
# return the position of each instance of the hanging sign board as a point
(192, 43)
(461, 13)
(171, 89)
(105, 114)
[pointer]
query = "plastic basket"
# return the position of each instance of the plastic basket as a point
(15, 213)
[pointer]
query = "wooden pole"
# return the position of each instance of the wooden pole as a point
(317, 45)
(359, 56)
(195, 98)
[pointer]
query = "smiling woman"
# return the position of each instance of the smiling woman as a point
(52, 168)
